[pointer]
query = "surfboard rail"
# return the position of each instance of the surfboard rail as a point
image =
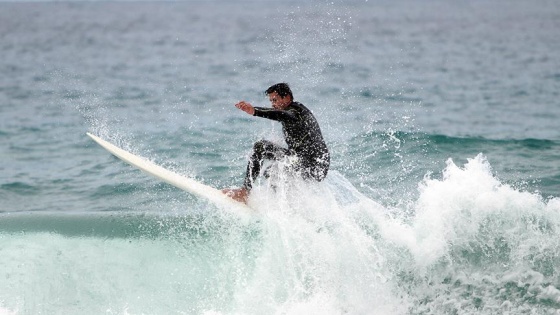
(180, 181)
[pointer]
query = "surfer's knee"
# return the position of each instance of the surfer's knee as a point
(261, 145)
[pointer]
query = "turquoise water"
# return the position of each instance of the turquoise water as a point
(441, 117)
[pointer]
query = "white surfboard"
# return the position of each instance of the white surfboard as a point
(188, 184)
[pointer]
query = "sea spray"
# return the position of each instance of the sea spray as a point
(471, 244)
(476, 245)
(316, 255)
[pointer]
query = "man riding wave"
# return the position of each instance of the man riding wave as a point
(301, 132)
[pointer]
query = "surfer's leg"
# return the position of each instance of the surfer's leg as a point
(262, 150)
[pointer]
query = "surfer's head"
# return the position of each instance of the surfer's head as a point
(280, 95)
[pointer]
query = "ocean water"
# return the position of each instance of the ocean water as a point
(442, 118)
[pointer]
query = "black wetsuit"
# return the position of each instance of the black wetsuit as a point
(304, 139)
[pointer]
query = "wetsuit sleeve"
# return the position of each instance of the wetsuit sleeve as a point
(274, 114)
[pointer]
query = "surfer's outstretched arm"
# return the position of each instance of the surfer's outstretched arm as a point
(246, 107)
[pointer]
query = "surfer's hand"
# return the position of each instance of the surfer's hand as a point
(246, 107)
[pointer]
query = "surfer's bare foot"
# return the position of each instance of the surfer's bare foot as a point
(238, 194)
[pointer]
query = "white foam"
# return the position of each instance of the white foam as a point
(316, 249)
(6, 311)
(356, 250)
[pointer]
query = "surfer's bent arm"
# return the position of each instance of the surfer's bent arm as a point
(266, 112)
(275, 114)
(246, 107)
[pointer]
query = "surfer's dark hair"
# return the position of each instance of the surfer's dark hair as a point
(282, 89)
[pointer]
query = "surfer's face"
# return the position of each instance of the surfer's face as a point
(279, 102)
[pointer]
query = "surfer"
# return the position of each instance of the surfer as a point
(301, 132)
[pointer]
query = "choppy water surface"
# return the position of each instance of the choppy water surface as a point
(441, 117)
